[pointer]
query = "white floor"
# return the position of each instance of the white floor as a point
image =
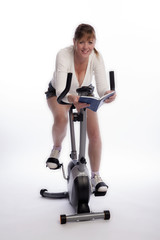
(133, 200)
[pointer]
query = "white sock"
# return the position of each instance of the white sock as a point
(57, 148)
(94, 173)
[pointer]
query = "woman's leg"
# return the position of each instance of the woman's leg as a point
(95, 144)
(60, 115)
(94, 151)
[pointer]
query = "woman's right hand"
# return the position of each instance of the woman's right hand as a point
(75, 100)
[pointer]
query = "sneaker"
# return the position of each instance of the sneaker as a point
(98, 185)
(53, 162)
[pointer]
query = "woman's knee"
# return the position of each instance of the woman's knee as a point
(60, 112)
(94, 135)
(61, 120)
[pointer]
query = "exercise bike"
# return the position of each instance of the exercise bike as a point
(78, 179)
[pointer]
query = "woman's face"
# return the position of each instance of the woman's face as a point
(84, 47)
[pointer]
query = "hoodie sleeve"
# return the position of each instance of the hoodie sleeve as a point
(61, 71)
(100, 75)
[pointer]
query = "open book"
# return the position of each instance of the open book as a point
(95, 102)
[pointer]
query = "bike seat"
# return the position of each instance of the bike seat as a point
(85, 90)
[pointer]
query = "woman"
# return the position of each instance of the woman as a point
(83, 60)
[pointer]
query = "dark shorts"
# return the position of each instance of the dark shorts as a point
(51, 92)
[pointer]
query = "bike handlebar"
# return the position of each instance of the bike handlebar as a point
(112, 82)
(68, 85)
(66, 90)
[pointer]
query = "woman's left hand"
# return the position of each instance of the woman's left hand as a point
(110, 99)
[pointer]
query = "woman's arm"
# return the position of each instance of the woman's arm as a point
(100, 75)
(61, 71)
(101, 79)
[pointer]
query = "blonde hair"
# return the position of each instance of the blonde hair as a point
(85, 30)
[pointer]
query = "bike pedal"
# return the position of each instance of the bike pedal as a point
(99, 194)
(53, 164)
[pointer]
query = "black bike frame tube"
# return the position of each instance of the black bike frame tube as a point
(82, 146)
(72, 134)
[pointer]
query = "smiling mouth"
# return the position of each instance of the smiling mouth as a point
(85, 51)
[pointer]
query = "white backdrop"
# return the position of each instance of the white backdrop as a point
(128, 36)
